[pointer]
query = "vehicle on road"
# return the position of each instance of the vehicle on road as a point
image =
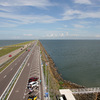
(32, 98)
(32, 79)
(10, 55)
(33, 84)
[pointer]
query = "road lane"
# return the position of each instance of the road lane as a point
(20, 89)
(10, 71)
(9, 74)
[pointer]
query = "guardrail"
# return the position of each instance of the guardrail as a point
(86, 90)
(7, 90)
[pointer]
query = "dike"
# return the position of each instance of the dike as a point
(57, 82)
(63, 83)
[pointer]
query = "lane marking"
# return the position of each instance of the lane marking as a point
(24, 97)
(17, 91)
(5, 76)
(11, 68)
(28, 64)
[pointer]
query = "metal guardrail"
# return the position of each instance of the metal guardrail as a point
(86, 90)
(6, 92)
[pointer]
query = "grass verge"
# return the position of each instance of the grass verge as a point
(10, 61)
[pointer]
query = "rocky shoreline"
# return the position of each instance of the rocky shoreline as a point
(60, 83)
(64, 83)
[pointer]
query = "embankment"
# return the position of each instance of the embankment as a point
(57, 82)
(63, 83)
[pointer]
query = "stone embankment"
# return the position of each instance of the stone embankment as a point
(63, 83)
(59, 82)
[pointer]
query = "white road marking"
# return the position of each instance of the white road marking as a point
(17, 91)
(28, 64)
(24, 97)
(5, 76)
(11, 68)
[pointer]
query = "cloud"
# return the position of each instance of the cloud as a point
(26, 19)
(65, 26)
(77, 14)
(28, 34)
(61, 35)
(78, 26)
(57, 34)
(3, 24)
(98, 36)
(35, 3)
(88, 2)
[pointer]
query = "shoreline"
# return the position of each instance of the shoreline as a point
(63, 83)
(59, 83)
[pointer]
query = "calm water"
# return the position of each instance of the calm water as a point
(77, 60)
(10, 42)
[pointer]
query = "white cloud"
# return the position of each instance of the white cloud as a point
(28, 34)
(85, 22)
(98, 36)
(69, 14)
(61, 35)
(35, 3)
(83, 1)
(57, 34)
(65, 26)
(26, 19)
(3, 24)
(66, 34)
(78, 26)
(76, 14)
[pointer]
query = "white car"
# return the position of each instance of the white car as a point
(61, 98)
(33, 84)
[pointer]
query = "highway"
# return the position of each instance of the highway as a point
(32, 69)
(9, 72)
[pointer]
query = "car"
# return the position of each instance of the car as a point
(61, 98)
(10, 55)
(33, 84)
(32, 98)
(32, 79)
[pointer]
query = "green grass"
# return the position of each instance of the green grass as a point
(7, 63)
(7, 50)
(23, 43)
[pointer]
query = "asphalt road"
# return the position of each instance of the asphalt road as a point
(9, 72)
(32, 69)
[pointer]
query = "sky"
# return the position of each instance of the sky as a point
(49, 19)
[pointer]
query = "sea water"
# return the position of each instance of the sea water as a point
(77, 61)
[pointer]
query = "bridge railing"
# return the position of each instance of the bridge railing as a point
(86, 90)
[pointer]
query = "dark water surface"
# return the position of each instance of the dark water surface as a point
(77, 60)
(10, 42)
